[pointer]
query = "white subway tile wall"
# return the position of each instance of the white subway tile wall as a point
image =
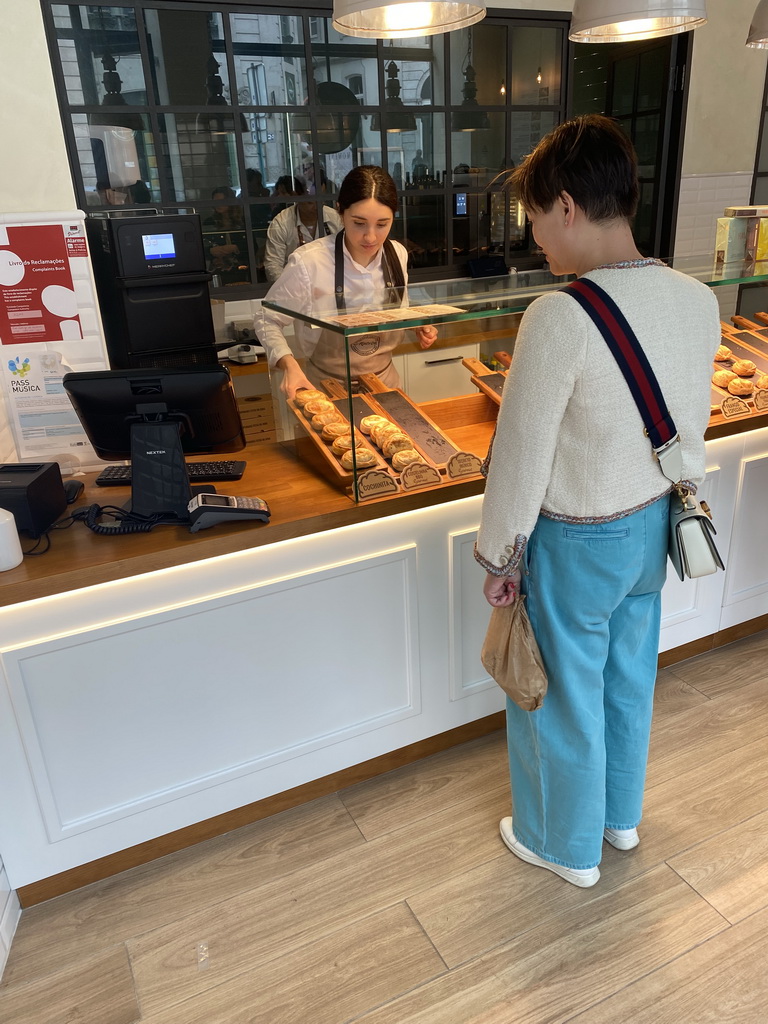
(703, 197)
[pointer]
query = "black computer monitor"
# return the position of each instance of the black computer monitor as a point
(153, 417)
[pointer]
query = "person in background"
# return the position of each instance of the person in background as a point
(373, 272)
(224, 238)
(576, 506)
(293, 227)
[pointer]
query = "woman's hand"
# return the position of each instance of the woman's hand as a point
(427, 335)
(500, 591)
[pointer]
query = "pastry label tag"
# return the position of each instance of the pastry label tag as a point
(733, 406)
(419, 474)
(375, 483)
(463, 464)
(761, 400)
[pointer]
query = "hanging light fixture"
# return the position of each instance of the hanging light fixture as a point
(397, 117)
(219, 123)
(469, 117)
(113, 97)
(617, 21)
(398, 19)
(758, 30)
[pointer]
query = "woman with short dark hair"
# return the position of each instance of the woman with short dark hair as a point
(576, 505)
(373, 273)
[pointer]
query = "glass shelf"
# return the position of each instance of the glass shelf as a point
(473, 299)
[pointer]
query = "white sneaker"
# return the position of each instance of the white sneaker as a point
(622, 839)
(583, 877)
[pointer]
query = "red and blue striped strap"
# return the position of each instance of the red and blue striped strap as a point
(623, 343)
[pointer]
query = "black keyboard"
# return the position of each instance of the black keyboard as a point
(120, 476)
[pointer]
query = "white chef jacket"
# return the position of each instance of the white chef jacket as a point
(307, 286)
(283, 236)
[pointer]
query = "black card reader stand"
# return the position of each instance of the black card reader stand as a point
(159, 479)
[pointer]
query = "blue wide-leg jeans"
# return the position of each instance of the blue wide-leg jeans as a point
(577, 765)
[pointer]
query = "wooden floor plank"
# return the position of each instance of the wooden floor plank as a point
(680, 743)
(723, 981)
(731, 870)
(435, 784)
(725, 669)
(80, 923)
(98, 990)
(339, 977)
(570, 961)
(673, 695)
(267, 923)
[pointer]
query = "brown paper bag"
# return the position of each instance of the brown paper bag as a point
(511, 656)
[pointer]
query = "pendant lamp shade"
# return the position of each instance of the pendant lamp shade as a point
(616, 21)
(758, 30)
(397, 19)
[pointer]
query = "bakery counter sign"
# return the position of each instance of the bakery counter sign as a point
(37, 297)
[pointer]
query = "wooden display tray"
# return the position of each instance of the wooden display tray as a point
(441, 455)
(327, 459)
(490, 382)
(744, 343)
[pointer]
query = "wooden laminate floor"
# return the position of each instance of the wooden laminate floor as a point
(395, 901)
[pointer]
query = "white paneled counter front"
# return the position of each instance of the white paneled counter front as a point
(143, 705)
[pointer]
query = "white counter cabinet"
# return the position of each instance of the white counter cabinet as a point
(140, 706)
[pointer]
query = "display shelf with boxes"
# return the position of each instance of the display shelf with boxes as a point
(386, 414)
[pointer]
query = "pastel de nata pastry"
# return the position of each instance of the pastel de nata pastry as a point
(722, 354)
(722, 378)
(364, 458)
(344, 442)
(334, 429)
(762, 381)
(396, 443)
(368, 422)
(382, 431)
(322, 419)
(739, 386)
(306, 395)
(316, 405)
(744, 367)
(405, 458)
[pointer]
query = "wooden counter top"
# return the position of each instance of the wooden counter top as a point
(302, 503)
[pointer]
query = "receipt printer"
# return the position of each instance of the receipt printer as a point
(34, 493)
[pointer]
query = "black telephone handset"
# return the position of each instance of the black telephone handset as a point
(210, 509)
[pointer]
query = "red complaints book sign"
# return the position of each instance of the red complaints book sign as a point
(37, 300)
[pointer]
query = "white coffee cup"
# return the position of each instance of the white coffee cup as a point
(11, 554)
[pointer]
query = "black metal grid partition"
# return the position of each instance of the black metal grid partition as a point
(219, 108)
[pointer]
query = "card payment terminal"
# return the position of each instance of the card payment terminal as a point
(210, 509)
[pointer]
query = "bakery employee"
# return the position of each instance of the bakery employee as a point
(293, 227)
(357, 270)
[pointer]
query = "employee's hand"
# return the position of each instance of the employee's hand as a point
(500, 591)
(427, 335)
(293, 376)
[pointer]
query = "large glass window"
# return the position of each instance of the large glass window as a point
(228, 110)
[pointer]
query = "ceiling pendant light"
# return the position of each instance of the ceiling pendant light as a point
(758, 30)
(113, 97)
(397, 117)
(617, 21)
(469, 117)
(220, 122)
(399, 19)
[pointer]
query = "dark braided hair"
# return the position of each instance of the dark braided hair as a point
(371, 182)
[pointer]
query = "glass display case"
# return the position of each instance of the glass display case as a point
(423, 416)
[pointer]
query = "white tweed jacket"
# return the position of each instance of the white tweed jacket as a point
(569, 440)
